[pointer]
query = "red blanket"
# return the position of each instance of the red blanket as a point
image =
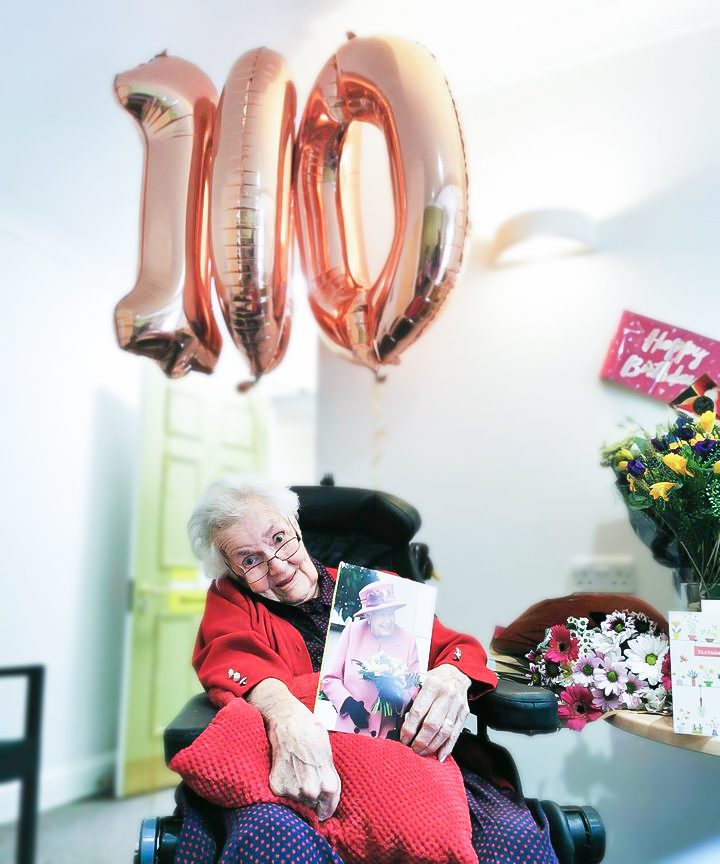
(396, 807)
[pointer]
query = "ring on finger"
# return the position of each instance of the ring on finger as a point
(448, 723)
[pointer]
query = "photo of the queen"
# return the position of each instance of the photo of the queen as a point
(373, 673)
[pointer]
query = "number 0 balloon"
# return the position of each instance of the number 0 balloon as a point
(397, 86)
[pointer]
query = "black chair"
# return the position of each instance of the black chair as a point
(376, 530)
(20, 759)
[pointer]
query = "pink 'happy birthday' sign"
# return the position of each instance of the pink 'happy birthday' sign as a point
(658, 359)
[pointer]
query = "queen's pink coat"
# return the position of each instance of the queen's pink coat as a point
(342, 678)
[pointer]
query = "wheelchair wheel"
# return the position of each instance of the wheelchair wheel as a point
(587, 828)
(577, 833)
(158, 840)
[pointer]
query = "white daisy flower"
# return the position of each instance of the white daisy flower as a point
(620, 624)
(607, 644)
(644, 656)
(654, 698)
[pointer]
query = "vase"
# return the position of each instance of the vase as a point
(688, 588)
(691, 591)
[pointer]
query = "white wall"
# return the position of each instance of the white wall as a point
(493, 420)
(68, 441)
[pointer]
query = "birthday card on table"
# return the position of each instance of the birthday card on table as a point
(695, 664)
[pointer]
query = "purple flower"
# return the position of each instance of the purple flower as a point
(635, 467)
(660, 443)
(704, 448)
(610, 677)
(685, 432)
(632, 697)
(603, 702)
(584, 669)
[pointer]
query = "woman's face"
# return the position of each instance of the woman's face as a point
(382, 623)
(247, 548)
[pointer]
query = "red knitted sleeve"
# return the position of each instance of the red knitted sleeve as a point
(464, 652)
(233, 649)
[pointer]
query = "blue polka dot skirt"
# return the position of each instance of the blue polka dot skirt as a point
(504, 831)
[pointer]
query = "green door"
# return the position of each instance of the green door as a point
(192, 433)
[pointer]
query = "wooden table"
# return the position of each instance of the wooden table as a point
(659, 727)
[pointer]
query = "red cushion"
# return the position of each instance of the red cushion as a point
(396, 807)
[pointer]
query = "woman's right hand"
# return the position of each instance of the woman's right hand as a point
(302, 765)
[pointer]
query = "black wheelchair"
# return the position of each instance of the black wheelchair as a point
(376, 530)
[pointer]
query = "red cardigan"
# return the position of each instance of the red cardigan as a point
(239, 635)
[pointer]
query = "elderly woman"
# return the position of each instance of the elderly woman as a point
(373, 630)
(264, 626)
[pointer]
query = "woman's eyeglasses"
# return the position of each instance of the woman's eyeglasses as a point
(261, 569)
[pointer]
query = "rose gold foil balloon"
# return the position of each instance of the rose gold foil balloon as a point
(167, 315)
(398, 87)
(250, 224)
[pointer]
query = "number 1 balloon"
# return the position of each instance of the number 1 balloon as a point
(167, 315)
(397, 86)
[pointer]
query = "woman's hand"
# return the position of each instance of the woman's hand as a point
(438, 714)
(302, 765)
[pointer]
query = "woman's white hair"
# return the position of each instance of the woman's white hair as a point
(227, 502)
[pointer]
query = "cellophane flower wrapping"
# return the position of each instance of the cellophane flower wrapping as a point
(622, 663)
(670, 482)
(393, 680)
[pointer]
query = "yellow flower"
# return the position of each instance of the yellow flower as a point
(623, 454)
(678, 464)
(707, 421)
(716, 468)
(631, 482)
(674, 445)
(622, 465)
(661, 490)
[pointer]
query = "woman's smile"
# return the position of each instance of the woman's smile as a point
(283, 583)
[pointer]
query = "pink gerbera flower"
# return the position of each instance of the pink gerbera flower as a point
(563, 648)
(665, 673)
(578, 708)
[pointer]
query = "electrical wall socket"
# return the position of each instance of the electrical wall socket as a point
(612, 573)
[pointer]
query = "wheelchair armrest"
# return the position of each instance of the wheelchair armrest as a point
(514, 707)
(189, 723)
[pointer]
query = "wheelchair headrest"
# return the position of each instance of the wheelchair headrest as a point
(359, 526)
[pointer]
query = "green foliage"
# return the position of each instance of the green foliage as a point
(350, 581)
(712, 492)
(675, 484)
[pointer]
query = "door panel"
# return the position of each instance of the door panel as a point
(190, 436)
(181, 488)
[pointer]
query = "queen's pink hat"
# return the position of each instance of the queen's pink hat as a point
(377, 596)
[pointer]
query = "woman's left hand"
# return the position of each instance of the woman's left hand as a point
(438, 714)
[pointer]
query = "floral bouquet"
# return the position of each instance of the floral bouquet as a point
(621, 663)
(670, 483)
(392, 678)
